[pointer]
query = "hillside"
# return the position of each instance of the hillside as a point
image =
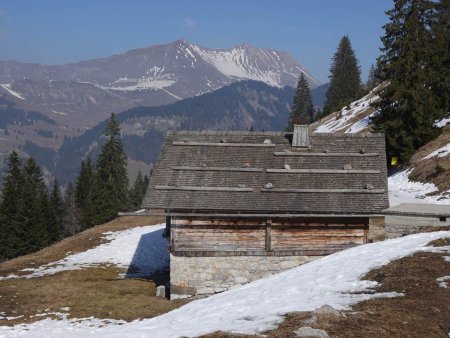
(77, 288)
(73, 98)
(88, 91)
(240, 106)
(426, 179)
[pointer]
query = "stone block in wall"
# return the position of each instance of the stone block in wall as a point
(377, 230)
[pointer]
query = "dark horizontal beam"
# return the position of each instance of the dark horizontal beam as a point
(225, 144)
(417, 214)
(337, 191)
(211, 253)
(236, 215)
(290, 153)
(322, 171)
(216, 168)
(194, 188)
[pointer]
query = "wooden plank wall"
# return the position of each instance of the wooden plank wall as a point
(192, 236)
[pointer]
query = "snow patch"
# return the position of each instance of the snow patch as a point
(142, 250)
(334, 280)
(442, 122)
(238, 63)
(57, 112)
(7, 87)
(403, 190)
(344, 120)
(442, 281)
(441, 152)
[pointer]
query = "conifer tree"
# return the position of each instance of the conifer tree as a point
(440, 62)
(345, 78)
(85, 195)
(35, 208)
(12, 222)
(138, 190)
(409, 106)
(302, 106)
(112, 180)
(371, 80)
(70, 218)
(55, 220)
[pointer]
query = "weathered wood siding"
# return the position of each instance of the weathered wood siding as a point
(192, 236)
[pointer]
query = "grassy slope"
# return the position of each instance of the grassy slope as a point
(436, 169)
(96, 291)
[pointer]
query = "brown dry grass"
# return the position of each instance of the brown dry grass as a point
(95, 291)
(436, 169)
(81, 242)
(423, 311)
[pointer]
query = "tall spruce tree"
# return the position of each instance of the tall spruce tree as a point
(345, 78)
(35, 207)
(86, 194)
(12, 222)
(409, 105)
(440, 62)
(138, 190)
(55, 220)
(112, 179)
(371, 80)
(302, 106)
(70, 218)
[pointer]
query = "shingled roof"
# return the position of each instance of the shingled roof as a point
(260, 172)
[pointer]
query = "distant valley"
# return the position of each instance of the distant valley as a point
(46, 107)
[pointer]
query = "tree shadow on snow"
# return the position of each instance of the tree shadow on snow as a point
(151, 259)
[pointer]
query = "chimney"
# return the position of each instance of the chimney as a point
(301, 136)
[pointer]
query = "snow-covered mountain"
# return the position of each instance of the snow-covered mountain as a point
(154, 75)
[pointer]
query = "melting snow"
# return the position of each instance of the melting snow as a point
(442, 122)
(441, 152)
(254, 307)
(402, 190)
(7, 87)
(143, 249)
(344, 120)
(442, 281)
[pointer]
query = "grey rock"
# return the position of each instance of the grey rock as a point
(327, 310)
(307, 331)
(161, 291)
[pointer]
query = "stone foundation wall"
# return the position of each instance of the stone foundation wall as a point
(202, 276)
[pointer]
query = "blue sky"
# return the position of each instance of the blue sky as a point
(62, 31)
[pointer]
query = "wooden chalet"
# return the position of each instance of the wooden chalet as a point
(266, 194)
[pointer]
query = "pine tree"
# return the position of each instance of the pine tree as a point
(85, 195)
(408, 105)
(35, 208)
(12, 222)
(112, 180)
(440, 62)
(55, 221)
(70, 218)
(345, 78)
(138, 190)
(371, 80)
(302, 106)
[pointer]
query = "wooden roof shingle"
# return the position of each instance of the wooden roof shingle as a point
(259, 172)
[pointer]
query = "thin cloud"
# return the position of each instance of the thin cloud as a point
(188, 22)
